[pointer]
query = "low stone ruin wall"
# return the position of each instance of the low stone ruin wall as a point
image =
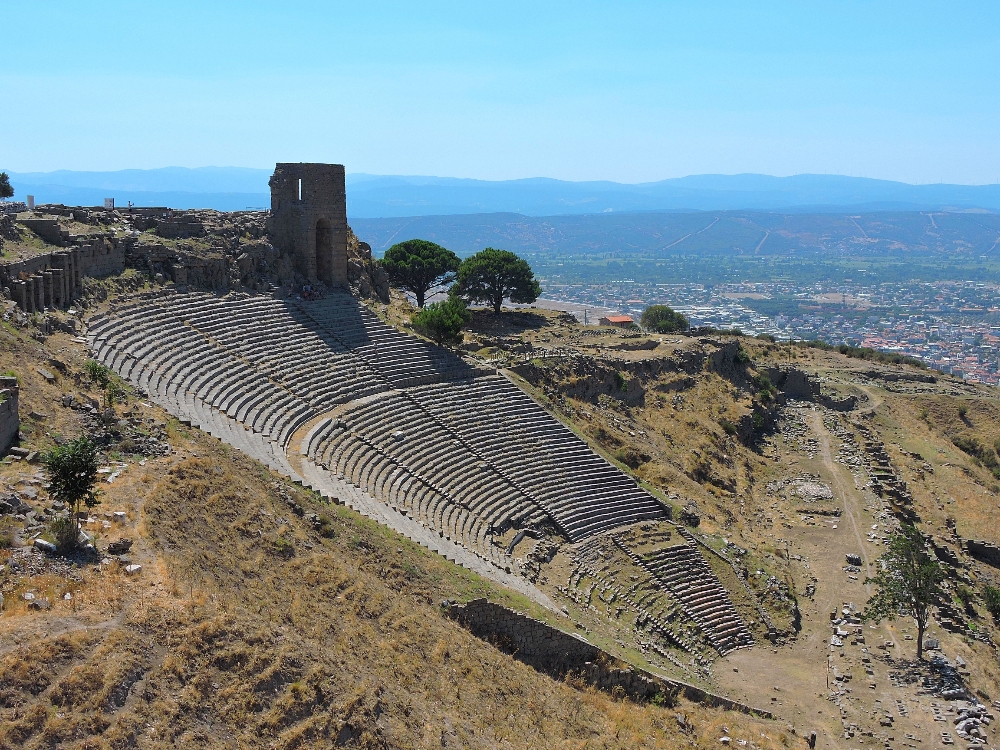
(561, 654)
(9, 420)
(983, 551)
(53, 280)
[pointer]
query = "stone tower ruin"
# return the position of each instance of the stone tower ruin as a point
(309, 219)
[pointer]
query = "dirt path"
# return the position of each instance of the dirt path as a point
(796, 680)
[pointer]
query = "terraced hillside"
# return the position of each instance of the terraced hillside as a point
(454, 456)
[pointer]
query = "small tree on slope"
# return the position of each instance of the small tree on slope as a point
(442, 321)
(419, 266)
(492, 275)
(908, 581)
(72, 470)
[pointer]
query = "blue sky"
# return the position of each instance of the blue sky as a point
(621, 91)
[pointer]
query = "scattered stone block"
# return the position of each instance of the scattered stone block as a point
(44, 546)
(133, 570)
(120, 547)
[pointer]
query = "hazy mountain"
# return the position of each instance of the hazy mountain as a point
(230, 188)
(665, 234)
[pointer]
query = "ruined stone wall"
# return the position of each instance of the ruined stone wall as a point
(550, 650)
(53, 280)
(9, 420)
(983, 551)
(309, 219)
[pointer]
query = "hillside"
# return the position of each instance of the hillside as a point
(266, 616)
(252, 626)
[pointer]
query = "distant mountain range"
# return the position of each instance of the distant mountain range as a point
(662, 234)
(374, 196)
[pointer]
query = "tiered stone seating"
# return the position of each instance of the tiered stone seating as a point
(146, 344)
(688, 576)
(445, 447)
(582, 492)
(400, 359)
(262, 331)
(420, 466)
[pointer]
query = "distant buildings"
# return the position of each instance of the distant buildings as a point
(622, 321)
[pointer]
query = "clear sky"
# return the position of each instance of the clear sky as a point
(626, 91)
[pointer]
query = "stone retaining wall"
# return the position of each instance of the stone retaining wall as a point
(9, 420)
(561, 654)
(53, 280)
(983, 551)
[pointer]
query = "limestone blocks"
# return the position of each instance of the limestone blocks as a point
(309, 219)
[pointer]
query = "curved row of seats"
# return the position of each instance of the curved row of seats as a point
(400, 359)
(146, 344)
(471, 457)
(401, 432)
(685, 572)
(582, 492)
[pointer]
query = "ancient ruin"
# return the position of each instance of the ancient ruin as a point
(309, 219)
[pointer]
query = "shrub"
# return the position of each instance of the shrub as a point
(620, 382)
(325, 526)
(983, 455)
(728, 427)
(991, 596)
(7, 533)
(663, 319)
(964, 594)
(963, 412)
(741, 357)
(442, 321)
(284, 547)
(65, 533)
(97, 372)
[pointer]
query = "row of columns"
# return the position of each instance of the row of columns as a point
(54, 287)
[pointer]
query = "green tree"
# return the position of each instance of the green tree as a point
(492, 275)
(6, 189)
(443, 321)
(72, 470)
(419, 266)
(98, 373)
(663, 319)
(908, 581)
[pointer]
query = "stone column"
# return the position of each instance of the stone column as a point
(60, 263)
(32, 295)
(39, 292)
(77, 282)
(20, 291)
(58, 287)
(49, 292)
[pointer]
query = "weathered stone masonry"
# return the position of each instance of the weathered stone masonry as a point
(550, 650)
(54, 279)
(309, 219)
(9, 421)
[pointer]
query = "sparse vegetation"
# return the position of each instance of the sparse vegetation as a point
(663, 319)
(99, 374)
(908, 580)
(491, 276)
(442, 321)
(72, 470)
(419, 266)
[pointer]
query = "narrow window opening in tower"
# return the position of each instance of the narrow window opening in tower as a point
(300, 188)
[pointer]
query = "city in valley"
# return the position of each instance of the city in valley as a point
(952, 326)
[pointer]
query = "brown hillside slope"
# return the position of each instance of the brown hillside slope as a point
(250, 627)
